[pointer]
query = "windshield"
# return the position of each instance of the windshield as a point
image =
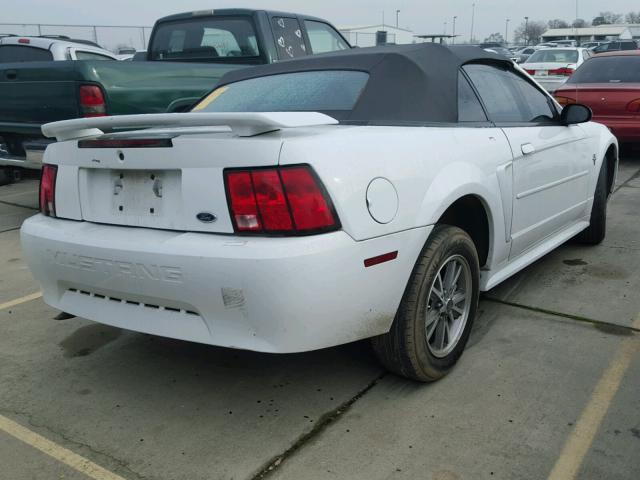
(333, 92)
(609, 70)
(556, 55)
(218, 39)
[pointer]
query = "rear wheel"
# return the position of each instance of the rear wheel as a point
(435, 317)
(6, 176)
(597, 229)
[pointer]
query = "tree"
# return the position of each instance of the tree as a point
(495, 38)
(529, 33)
(580, 23)
(607, 18)
(558, 23)
(633, 17)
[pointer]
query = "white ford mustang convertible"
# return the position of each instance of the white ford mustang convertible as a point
(367, 194)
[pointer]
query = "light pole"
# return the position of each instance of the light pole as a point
(397, 18)
(506, 33)
(445, 27)
(526, 31)
(453, 39)
(473, 19)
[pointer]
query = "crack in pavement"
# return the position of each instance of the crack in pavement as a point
(121, 463)
(624, 184)
(11, 204)
(323, 423)
(607, 325)
(620, 247)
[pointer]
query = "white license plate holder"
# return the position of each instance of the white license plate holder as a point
(137, 193)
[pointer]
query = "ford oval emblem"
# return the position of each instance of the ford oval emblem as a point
(206, 217)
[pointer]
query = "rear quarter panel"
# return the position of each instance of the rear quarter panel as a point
(430, 168)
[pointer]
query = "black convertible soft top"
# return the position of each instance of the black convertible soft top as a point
(407, 83)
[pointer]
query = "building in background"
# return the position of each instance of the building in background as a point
(590, 34)
(371, 35)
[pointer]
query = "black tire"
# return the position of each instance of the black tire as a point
(597, 229)
(404, 350)
(6, 176)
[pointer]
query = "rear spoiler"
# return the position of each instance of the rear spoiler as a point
(242, 124)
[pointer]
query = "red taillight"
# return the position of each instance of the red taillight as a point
(634, 106)
(48, 190)
(25, 41)
(530, 72)
(309, 206)
(92, 101)
(562, 72)
(279, 200)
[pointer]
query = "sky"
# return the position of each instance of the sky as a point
(421, 16)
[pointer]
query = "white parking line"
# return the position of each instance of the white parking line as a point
(579, 442)
(56, 451)
(21, 300)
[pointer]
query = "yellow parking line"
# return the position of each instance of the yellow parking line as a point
(55, 451)
(19, 301)
(579, 442)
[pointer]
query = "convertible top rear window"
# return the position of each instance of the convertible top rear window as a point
(333, 92)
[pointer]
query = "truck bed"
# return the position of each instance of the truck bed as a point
(32, 94)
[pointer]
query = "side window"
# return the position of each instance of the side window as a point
(323, 38)
(19, 53)
(508, 97)
(535, 105)
(501, 103)
(90, 56)
(469, 107)
(288, 35)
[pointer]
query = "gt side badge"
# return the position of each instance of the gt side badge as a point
(206, 217)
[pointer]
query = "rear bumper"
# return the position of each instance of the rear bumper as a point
(34, 163)
(265, 294)
(551, 84)
(32, 160)
(624, 130)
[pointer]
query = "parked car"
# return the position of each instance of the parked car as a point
(503, 52)
(547, 45)
(566, 43)
(609, 84)
(591, 45)
(551, 67)
(14, 49)
(320, 201)
(521, 55)
(616, 46)
(187, 55)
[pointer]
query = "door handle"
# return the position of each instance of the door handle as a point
(11, 74)
(528, 149)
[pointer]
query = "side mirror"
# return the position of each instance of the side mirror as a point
(575, 113)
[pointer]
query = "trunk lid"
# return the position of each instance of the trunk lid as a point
(606, 100)
(547, 69)
(172, 188)
(169, 178)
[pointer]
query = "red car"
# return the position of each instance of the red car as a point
(610, 85)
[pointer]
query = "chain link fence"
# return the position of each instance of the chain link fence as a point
(110, 37)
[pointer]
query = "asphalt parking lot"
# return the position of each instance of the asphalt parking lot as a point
(549, 386)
